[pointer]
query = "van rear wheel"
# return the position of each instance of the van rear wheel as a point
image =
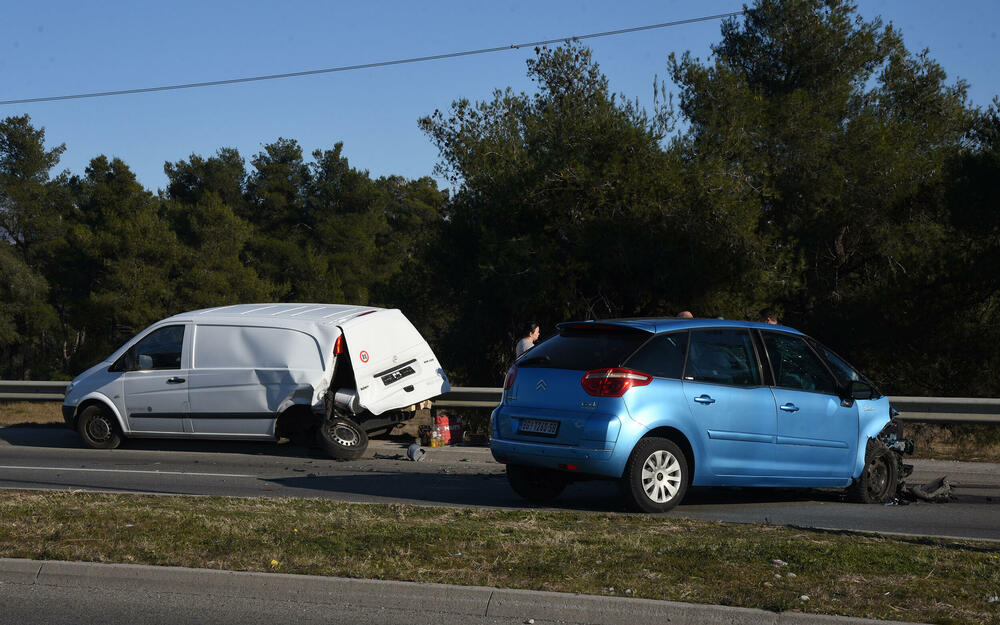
(342, 439)
(97, 428)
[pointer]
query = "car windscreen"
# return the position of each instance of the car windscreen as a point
(585, 349)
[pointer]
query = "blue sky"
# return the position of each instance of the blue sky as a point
(59, 48)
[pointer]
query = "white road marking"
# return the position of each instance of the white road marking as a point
(124, 471)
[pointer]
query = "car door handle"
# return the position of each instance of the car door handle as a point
(789, 408)
(175, 380)
(704, 399)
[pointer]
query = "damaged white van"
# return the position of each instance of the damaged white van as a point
(259, 372)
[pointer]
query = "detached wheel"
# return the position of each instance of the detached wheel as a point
(535, 484)
(656, 476)
(342, 439)
(98, 428)
(879, 480)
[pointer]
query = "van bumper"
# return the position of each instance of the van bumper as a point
(69, 415)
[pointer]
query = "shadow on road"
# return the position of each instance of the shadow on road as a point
(61, 437)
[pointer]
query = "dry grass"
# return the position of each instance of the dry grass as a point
(909, 579)
(30, 413)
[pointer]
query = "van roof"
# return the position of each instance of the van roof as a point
(285, 315)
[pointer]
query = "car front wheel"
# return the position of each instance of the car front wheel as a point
(656, 476)
(879, 480)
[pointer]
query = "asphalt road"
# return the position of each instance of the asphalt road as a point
(53, 458)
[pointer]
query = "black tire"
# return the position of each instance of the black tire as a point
(879, 480)
(342, 439)
(656, 475)
(98, 428)
(535, 484)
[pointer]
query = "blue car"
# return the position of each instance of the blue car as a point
(663, 404)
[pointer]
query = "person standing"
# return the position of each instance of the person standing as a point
(527, 341)
(768, 316)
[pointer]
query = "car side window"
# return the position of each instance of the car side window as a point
(796, 366)
(661, 356)
(160, 350)
(844, 372)
(722, 357)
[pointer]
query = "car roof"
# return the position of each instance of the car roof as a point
(657, 325)
(281, 315)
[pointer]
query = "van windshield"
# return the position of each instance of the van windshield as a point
(584, 349)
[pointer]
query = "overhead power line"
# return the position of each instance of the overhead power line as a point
(348, 68)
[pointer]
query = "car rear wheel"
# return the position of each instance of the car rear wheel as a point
(535, 484)
(342, 439)
(97, 428)
(879, 480)
(656, 476)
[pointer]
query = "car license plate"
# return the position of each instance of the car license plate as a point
(536, 426)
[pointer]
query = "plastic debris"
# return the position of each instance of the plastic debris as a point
(779, 563)
(415, 452)
(804, 598)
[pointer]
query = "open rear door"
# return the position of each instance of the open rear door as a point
(393, 365)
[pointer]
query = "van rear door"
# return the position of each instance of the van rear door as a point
(393, 365)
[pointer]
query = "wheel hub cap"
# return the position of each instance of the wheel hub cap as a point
(661, 476)
(345, 436)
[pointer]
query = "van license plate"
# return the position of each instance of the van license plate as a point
(535, 426)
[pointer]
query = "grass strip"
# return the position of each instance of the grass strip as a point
(772, 568)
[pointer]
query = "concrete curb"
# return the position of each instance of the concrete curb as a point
(442, 598)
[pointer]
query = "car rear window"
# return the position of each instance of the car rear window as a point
(585, 349)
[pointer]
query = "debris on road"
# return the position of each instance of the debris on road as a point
(935, 491)
(415, 452)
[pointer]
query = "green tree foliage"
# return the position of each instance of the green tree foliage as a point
(124, 258)
(841, 138)
(29, 230)
(204, 200)
(566, 208)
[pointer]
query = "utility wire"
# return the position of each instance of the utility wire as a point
(348, 68)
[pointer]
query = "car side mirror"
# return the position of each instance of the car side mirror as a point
(861, 390)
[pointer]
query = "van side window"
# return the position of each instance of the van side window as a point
(159, 350)
(796, 366)
(662, 356)
(722, 357)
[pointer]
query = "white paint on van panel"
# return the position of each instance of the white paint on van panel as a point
(244, 347)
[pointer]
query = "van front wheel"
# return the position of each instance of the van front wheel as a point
(342, 439)
(97, 427)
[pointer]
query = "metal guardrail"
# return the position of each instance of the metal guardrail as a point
(916, 409)
(32, 390)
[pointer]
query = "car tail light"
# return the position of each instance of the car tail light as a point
(613, 382)
(509, 380)
(338, 347)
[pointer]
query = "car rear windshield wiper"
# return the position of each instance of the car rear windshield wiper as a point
(533, 360)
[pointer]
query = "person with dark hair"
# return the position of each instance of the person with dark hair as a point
(527, 341)
(768, 316)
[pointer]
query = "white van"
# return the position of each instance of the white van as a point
(259, 372)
